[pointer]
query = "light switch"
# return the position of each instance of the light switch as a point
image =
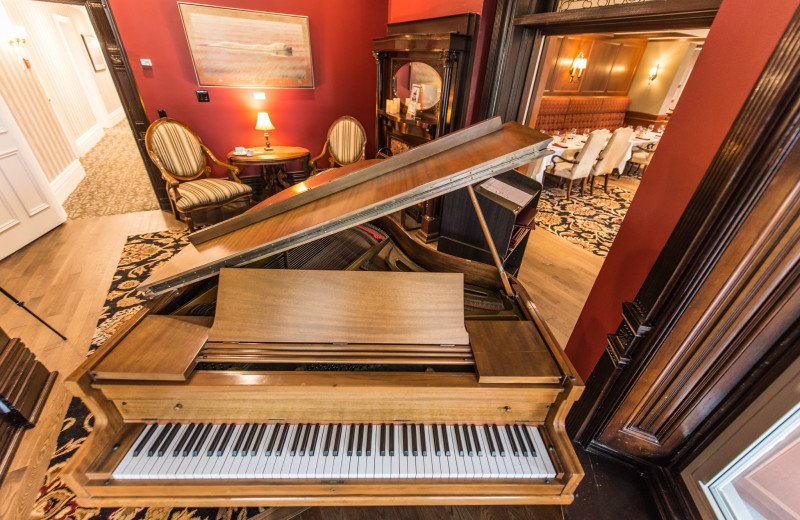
(202, 96)
(146, 62)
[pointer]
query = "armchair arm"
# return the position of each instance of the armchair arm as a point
(312, 164)
(233, 171)
(558, 158)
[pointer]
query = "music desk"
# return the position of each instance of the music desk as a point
(273, 162)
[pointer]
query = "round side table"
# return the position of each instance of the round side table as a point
(272, 162)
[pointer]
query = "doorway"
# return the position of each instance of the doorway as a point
(62, 54)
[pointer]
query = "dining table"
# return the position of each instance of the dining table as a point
(568, 145)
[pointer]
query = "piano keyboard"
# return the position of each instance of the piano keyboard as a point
(336, 451)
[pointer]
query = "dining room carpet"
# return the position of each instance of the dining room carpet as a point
(116, 180)
(589, 221)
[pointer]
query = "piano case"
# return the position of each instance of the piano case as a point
(403, 376)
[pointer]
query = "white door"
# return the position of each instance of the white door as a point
(28, 206)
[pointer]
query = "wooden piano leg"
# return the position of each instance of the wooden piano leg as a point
(431, 220)
(280, 513)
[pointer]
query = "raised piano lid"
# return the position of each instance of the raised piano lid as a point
(294, 306)
(344, 197)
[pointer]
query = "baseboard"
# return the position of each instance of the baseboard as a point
(90, 138)
(68, 180)
(116, 116)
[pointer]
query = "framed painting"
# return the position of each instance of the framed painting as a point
(243, 48)
(94, 51)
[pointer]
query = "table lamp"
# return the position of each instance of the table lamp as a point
(263, 123)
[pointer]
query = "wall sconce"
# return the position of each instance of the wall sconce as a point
(18, 36)
(653, 74)
(578, 65)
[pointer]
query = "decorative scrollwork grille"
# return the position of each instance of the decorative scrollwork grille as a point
(564, 5)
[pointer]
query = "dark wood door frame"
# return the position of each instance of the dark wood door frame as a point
(105, 28)
(704, 380)
(521, 25)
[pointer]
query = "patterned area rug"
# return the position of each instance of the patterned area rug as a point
(591, 221)
(116, 181)
(56, 501)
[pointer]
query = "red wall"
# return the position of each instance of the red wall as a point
(405, 10)
(739, 44)
(344, 73)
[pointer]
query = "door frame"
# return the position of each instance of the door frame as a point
(105, 28)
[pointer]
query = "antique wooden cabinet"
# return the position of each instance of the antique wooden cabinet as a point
(436, 54)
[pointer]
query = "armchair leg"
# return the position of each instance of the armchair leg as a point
(569, 188)
(591, 184)
(583, 185)
(189, 221)
(605, 184)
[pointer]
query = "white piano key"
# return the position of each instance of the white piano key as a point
(458, 460)
(227, 470)
(128, 461)
(338, 452)
(508, 466)
(427, 458)
(284, 460)
(488, 464)
(373, 460)
(195, 468)
(396, 454)
(361, 462)
(544, 456)
(164, 469)
(315, 462)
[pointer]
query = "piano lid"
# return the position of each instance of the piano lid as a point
(340, 198)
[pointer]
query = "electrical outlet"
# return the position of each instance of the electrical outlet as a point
(202, 96)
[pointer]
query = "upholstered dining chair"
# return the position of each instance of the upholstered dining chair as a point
(640, 158)
(182, 160)
(346, 144)
(611, 156)
(580, 167)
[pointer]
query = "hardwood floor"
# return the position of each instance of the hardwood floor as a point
(64, 277)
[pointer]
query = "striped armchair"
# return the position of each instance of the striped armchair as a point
(346, 144)
(182, 159)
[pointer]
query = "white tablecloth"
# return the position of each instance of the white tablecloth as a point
(570, 145)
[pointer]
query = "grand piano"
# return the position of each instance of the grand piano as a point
(310, 352)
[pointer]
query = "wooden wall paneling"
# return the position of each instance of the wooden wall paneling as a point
(624, 68)
(560, 80)
(599, 67)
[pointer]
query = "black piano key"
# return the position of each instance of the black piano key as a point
(296, 439)
(254, 447)
(459, 442)
(510, 436)
(142, 443)
(212, 447)
(351, 440)
(156, 443)
(339, 429)
(226, 439)
(423, 443)
(313, 445)
(467, 440)
(249, 441)
(182, 442)
(240, 439)
(279, 448)
(190, 443)
(304, 443)
(327, 448)
(391, 440)
(273, 439)
(478, 445)
(445, 440)
(404, 439)
(201, 440)
(382, 447)
(414, 450)
(359, 449)
(520, 441)
(492, 450)
(163, 448)
(436, 447)
(369, 440)
(501, 447)
(530, 441)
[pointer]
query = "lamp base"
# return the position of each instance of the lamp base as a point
(267, 146)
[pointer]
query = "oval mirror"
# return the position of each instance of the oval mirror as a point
(418, 73)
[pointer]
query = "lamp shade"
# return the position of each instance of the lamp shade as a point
(263, 122)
